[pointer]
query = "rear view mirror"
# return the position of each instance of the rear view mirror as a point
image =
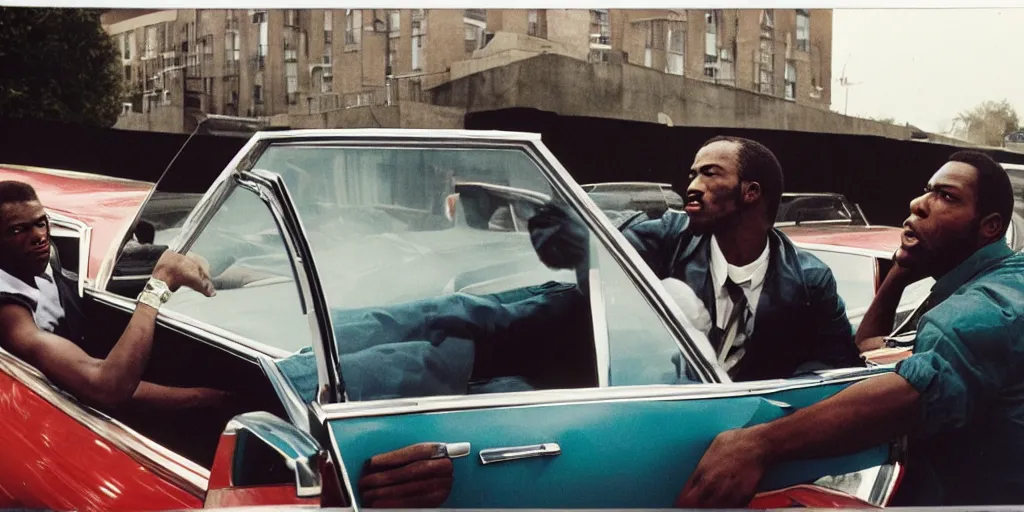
(262, 459)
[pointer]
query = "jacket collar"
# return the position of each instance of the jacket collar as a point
(783, 282)
(981, 260)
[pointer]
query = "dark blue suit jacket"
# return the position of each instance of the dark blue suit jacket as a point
(800, 322)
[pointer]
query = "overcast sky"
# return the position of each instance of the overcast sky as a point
(924, 66)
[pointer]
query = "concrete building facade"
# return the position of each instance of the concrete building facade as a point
(285, 65)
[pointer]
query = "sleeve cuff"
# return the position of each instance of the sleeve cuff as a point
(16, 298)
(944, 395)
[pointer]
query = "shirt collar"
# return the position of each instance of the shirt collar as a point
(720, 267)
(979, 261)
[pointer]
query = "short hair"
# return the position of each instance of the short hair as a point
(16, 192)
(758, 163)
(995, 192)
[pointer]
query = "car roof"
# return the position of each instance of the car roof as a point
(881, 241)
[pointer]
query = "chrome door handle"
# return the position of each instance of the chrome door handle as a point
(493, 455)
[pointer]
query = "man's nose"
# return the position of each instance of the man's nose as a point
(39, 235)
(918, 206)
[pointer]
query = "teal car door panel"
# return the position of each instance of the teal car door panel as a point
(632, 453)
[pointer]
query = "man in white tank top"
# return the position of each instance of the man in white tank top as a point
(32, 317)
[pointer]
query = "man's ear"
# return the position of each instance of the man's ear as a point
(753, 193)
(992, 227)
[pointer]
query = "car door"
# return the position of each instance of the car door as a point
(627, 437)
(626, 445)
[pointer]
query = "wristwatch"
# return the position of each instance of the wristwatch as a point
(155, 294)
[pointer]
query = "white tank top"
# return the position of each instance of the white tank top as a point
(43, 300)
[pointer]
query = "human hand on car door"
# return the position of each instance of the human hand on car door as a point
(416, 476)
(179, 270)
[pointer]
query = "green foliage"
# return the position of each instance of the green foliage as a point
(59, 65)
(989, 122)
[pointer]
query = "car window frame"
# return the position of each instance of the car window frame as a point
(330, 382)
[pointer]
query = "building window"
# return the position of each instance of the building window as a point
(394, 23)
(790, 81)
(264, 44)
(353, 26)
(803, 30)
(291, 79)
(766, 66)
(232, 51)
(600, 29)
(152, 41)
(419, 34)
(291, 18)
(768, 18)
(257, 93)
(328, 28)
(531, 22)
(675, 50)
(291, 52)
(711, 34)
(474, 33)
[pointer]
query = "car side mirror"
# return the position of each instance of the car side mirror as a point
(262, 459)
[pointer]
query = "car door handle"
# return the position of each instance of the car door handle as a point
(494, 455)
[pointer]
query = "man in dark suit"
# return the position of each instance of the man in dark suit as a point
(774, 308)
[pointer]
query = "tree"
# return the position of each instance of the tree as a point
(58, 64)
(989, 122)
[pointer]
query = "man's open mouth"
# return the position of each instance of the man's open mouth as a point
(693, 205)
(909, 238)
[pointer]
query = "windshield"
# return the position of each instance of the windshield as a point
(855, 282)
(818, 208)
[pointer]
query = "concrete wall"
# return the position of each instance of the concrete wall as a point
(162, 119)
(406, 114)
(571, 87)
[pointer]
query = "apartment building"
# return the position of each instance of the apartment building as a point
(279, 62)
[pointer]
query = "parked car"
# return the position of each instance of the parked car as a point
(860, 257)
(335, 221)
(798, 208)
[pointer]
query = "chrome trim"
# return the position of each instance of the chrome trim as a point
(452, 450)
(438, 404)
(84, 232)
(399, 133)
(300, 451)
(209, 334)
(176, 469)
(602, 345)
(329, 379)
(842, 249)
(496, 455)
(290, 399)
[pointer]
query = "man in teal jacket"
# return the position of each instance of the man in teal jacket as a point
(959, 397)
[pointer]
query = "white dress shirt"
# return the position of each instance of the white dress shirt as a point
(750, 278)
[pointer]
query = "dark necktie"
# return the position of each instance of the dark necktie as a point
(738, 316)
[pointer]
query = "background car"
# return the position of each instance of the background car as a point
(798, 208)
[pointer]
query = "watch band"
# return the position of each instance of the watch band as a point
(155, 294)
